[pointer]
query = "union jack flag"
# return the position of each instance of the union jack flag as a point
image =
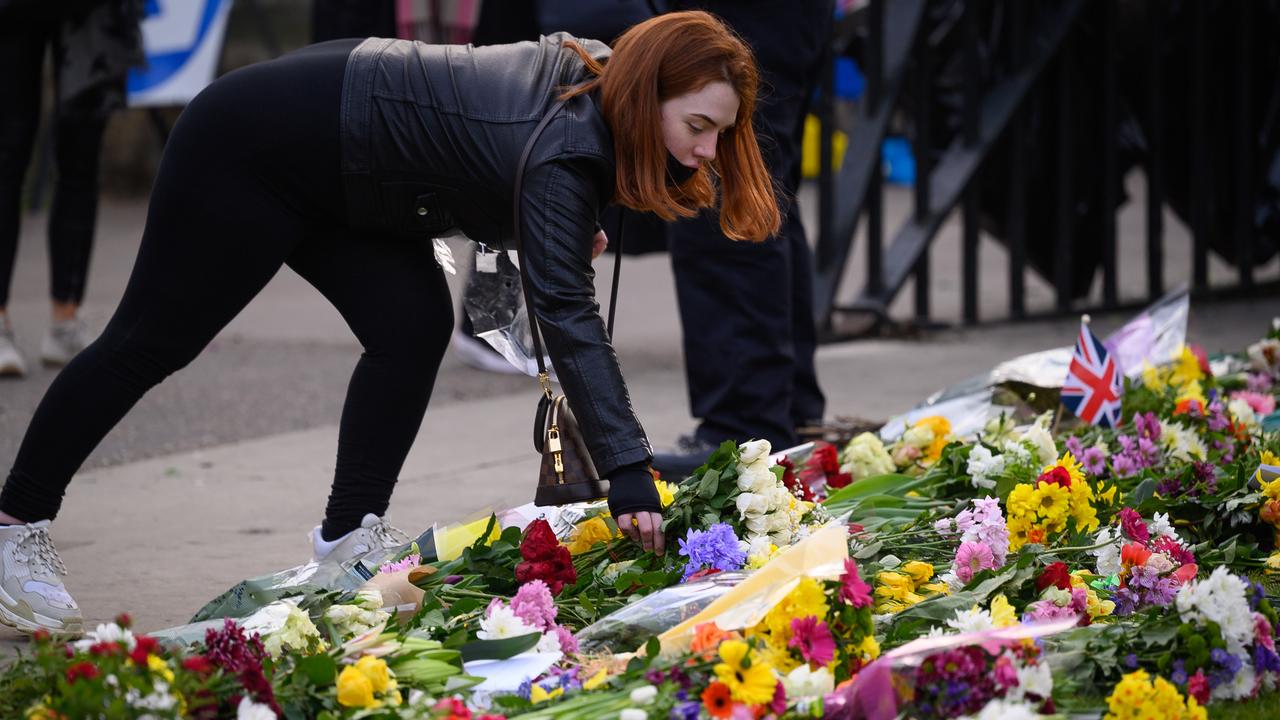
(1093, 385)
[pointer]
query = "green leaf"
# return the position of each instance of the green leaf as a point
(892, 483)
(498, 649)
(1143, 492)
(653, 648)
(319, 669)
(709, 484)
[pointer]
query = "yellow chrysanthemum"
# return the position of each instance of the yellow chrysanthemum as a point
(539, 694)
(750, 680)
(941, 429)
(1085, 516)
(1069, 463)
(1051, 502)
(807, 599)
(1019, 502)
(1002, 612)
(1019, 528)
(595, 681)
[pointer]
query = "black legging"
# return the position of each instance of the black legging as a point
(249, 182)
(77, 135)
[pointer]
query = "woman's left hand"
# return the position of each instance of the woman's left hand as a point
(645, 528)
(598, 243)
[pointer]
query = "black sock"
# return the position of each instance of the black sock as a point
(330, 531)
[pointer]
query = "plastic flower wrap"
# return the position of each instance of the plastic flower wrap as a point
(865, 456)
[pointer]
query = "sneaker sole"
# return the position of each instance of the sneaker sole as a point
(27, 627)
(11, 371)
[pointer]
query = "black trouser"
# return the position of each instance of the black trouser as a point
(747, 309)
(77, 142)
(250, 181)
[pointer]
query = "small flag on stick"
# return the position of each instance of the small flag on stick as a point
(1093, 385)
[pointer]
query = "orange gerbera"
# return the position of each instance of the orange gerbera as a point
(716, 700)
(1035, 535)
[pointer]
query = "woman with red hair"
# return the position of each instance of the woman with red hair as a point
(341, 161)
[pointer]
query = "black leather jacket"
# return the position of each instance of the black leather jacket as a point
(431, 136)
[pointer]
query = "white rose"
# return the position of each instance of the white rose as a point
(633, 714)
(757, 524)
(750, 504)
(250, 710)
(753, 451)
(756, 479)
(1044, 444)
(805, 683)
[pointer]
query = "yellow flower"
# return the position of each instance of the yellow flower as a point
(1068, 462)
(807, 599)
(538, 694)
(355, 689)
(941, 429)
(1085, 516)
(869, 648)
(1273, 563)
(666, 492)
(1152, 377)
(160, 667)
(1002, 613)
(1270, 458)
(1019, 502)
(1018, 530)
(1192, 391)
(1051, 502)
(939, 588)
(920, 572)
(1108, 496)
(376, 670)
(750, 681)
(588, 533)
(1185, 369)
(594, 681)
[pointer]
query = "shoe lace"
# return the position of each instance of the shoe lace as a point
(38, 548)
(388, 535)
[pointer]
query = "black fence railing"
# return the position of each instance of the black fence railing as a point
(1025, 117)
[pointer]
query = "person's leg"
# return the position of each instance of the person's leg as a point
(22, 47)
(249, 170)
(394, 297)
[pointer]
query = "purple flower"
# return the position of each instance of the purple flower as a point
(568, 643)
(1075, 447)
(686, 710)
(1205, 474)
(1265, 660)
(717, 548)
(1170, 487)
(1131, 661)
(1094, 461)
(1148, 425)
(1218, 420)
(1258, 382)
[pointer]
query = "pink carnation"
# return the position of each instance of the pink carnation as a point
(534, 605)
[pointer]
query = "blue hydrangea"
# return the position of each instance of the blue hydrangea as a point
(716, 547)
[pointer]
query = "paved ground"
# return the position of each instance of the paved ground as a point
(219, 472)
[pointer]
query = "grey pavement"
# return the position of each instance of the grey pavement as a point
(219, 473)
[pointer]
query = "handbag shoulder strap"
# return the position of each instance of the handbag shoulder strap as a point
(527, 287)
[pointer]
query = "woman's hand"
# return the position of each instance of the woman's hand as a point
(645, 528)
(598, 243)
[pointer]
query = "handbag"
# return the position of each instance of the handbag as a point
(567, 474)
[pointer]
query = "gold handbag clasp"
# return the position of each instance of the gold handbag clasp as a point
(553, 444)
(544, 379)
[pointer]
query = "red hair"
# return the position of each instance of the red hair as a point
(661, 58)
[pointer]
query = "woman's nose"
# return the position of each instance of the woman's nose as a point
(706, 151)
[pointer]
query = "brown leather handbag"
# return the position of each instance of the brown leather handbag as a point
(567, 474)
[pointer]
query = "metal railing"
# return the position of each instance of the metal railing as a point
(1004, 96)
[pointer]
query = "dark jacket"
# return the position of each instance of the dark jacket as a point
(431, 136)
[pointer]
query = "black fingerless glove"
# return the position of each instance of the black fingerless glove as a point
(631, 490)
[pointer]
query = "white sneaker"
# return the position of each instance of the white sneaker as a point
(65, 340)
(11, 362)
(32, 596)
(374, 534)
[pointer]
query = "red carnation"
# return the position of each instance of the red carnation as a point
(104, 648)
(86, 670)
(198, 664)
(142, 648)
(1057, 475)
(1056, 575)
(124, 621)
